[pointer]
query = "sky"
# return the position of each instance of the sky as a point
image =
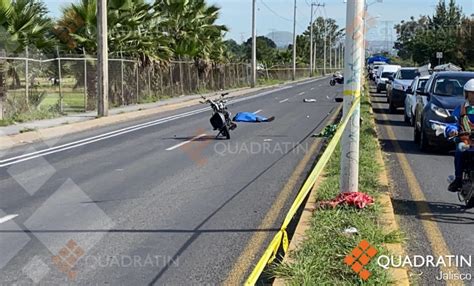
(277, 15)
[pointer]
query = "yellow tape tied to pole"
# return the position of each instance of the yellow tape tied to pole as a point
(281, 237)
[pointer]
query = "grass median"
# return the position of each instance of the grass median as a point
(320, 258)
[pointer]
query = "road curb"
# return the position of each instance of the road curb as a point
(10, 141)
(387, 218)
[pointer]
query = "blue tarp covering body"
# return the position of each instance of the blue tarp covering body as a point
(378, 59)
(249, 117)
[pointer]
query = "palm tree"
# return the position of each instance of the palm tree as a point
(23, 23)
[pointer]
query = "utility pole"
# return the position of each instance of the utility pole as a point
(311, 43)
(352, 89)
(325, 45)
(103, 59)
(253, 82)
(294, 43)
(312, 61)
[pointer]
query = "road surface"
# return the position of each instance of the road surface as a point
(433, 219)
(158, 200)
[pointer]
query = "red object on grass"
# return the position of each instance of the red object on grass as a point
(357, 199)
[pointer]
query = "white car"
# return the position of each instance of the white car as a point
(383, 73)
(410, 100)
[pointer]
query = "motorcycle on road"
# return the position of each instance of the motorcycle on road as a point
(466, 192)
(336, 78)
(221, 117)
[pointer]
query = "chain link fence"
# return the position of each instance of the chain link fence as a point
(68, 84)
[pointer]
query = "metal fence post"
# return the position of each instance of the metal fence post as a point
(26, 78)
(121, 78)
(137, 83)
(3, 83)
(60, 82)
(85, 79)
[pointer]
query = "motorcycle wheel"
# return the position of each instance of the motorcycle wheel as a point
(332, 83)
(225, 132)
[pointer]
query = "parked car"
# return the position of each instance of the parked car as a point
(383, 73)
(413, 96)
(397, 86)
(444, 92)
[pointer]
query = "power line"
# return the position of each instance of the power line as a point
(275, 13)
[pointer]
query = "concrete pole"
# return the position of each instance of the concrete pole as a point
(325, 46)
(311, 43)
(352, 88)
(294, 43)
(85, 79)
(103, 59)
(253, 82)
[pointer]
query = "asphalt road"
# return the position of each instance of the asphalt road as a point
(433, 219)
(151, 203)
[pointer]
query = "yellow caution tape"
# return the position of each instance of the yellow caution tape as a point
(355, 93)
(281, 237)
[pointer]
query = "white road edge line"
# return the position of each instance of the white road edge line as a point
(100, 137)
(7, 218)
(301, 93)
(258, 111)
(284, 100)
(185, 142)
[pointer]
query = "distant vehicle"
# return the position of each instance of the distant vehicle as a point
(397, 86)
(383, 73)
(413, 97)
(444, 92)
(337, 77)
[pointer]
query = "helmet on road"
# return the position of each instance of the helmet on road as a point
(469, 87)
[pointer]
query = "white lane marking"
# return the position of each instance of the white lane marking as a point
(258, 111)
(284, 100)
(7, 218)
(320, 85)
(301, 93)
(185, 142)
(93, 139)
(312, 88)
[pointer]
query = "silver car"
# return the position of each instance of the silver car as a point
(417, 85)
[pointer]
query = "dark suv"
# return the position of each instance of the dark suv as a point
(444, 92)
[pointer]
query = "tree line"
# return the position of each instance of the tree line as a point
(448, 30)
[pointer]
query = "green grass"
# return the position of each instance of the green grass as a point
(73, 101)
(319, 261)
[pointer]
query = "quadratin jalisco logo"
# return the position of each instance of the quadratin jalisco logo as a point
(359, 257)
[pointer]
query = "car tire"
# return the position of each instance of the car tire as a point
(416, 135)
(391, 107)
(406, 118)
(424, 142)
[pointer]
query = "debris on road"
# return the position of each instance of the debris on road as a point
(328, 131)
(357, 199)
(309, 100)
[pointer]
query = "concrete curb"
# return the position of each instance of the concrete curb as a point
(7, 142)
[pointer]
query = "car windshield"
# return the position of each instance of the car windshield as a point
(408, 74)
(387, 74)
(450, 86)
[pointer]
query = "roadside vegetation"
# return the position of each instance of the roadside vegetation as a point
(320, 259)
